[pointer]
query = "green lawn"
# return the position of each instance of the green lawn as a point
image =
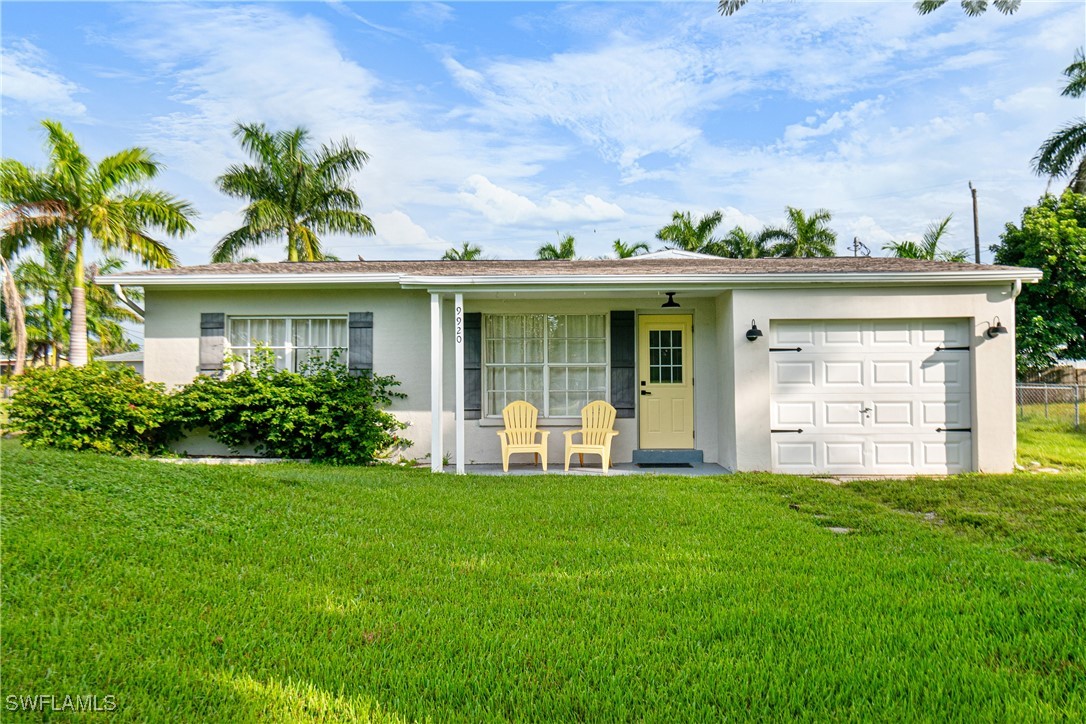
(1052, 442)
(293, 592)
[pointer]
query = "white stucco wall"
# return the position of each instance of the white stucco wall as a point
(746, 435)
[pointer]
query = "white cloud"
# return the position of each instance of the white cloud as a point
(24, 78)
(502, 206)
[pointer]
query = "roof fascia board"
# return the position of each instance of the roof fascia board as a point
(578, 281)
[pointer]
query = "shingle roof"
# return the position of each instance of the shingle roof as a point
(585, 267)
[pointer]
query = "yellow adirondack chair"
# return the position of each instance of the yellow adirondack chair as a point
(519, 435)
(597, 431)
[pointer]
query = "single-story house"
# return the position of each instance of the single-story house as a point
(848, 366)
(132, 359)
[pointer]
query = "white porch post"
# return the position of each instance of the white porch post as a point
(437, 371)
(459, 382)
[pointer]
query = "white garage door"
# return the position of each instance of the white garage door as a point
(866, 397)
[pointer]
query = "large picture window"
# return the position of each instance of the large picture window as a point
(557, 362)
(293, 340)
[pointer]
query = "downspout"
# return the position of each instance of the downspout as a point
(119, 291)
(1016, 288)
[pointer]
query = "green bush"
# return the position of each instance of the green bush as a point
(323, 414)
(97, 407)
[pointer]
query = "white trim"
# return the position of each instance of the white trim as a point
(458, 331)
(498, 282)
(437, 442)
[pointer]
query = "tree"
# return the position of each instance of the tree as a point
(1065, 150)
(47, 283)
(625, 251)
(564, 250)
(14, 319)
(683, 233)
(738, 244)
(923, 7)
(803, 236)
(294, 193)
(467, 252)
(1051, 314)
(73, 201)
(928, 247)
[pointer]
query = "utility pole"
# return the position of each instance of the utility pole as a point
(976, 223)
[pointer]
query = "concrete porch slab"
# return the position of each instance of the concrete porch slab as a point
(698, 469)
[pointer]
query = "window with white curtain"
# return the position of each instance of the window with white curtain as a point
(293, 340)
(557, 362)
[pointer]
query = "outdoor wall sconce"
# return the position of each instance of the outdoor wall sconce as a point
(753, 333)
(670, 303)
(994, 330)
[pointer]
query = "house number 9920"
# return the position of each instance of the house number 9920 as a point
(459, 325)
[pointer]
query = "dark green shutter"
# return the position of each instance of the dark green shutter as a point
(623, 372)
(473, 366)
(212, 343)
(360, 343)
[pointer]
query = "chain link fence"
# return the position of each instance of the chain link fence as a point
(1064, 404)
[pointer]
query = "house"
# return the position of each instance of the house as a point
(132, 359)
(848, 366)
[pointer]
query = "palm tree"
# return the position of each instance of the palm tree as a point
(73, 201)
(1065, 150)
(564, 250)
(293, 193)
(804, 236)
(683, 233)
(738, 244)
(928, 246)
(923, 7)
(625, 251)
(466, 252)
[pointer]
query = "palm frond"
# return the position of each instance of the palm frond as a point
(1062, 151)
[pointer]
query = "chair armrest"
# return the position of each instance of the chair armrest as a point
(612, 433)
(502, 434)
(570, 433)
(543, 435)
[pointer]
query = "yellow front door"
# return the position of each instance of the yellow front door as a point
(665, 363)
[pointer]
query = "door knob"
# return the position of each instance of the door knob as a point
(645, 392)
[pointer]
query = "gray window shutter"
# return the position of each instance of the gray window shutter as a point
(623, 373)
(473, 366)
(359, 343)
(212, 343)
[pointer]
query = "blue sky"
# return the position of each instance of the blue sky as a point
(505, 124)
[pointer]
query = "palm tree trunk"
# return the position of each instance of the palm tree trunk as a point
(16, 317)
(77, 339)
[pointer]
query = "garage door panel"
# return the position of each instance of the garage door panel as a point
(871, 396)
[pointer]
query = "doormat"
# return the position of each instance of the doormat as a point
(664, 465)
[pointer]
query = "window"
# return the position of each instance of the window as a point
(293, 341)
(557, 362)
(666, 356)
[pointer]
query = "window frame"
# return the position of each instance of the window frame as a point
(544, 413)
(289, 348)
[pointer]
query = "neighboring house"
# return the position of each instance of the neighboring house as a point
(866, 366)
(127, 359)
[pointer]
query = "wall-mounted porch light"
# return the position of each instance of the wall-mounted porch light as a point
(753, 333)
(994, 330)
(670, 303)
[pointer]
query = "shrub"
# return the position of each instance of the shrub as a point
(323, 414)
(97, 407)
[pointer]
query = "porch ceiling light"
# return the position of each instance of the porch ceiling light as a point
(994, 330)
(753, 333)
(670, 303)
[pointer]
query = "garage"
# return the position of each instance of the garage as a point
(871, 397)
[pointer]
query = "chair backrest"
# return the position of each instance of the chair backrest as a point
(597, 419)
(520, 422)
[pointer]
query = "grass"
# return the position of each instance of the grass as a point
(1052, 442)
(292, 592)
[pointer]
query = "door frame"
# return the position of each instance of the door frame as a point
(688, 368)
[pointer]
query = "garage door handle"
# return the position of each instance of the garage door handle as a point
(798, 429)
(949, 349)
(953, 429)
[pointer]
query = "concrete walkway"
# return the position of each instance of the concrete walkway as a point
(588, 469)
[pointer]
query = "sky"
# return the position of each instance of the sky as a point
(509, 124)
